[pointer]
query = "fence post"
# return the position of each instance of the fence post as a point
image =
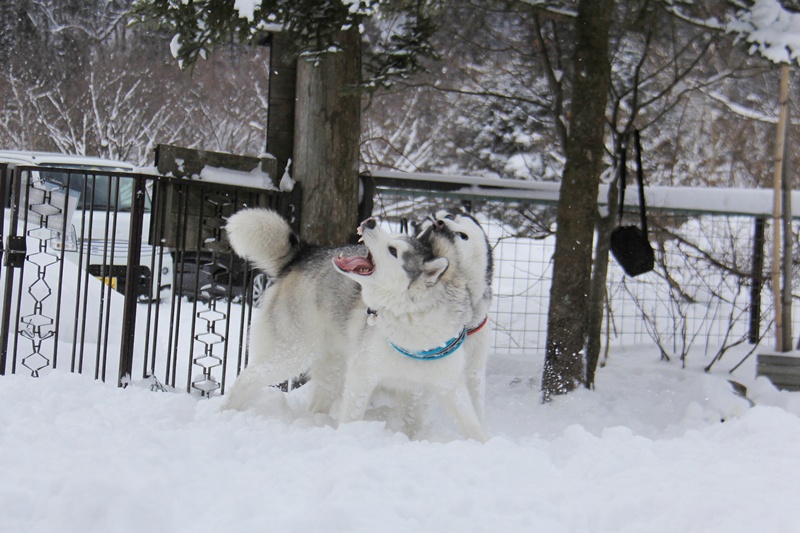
(131, 285)
(780, 152)
(757, 281)
(788, 237)
(5, 319)
(4, 182)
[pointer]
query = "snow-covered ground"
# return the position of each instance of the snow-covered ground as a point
(654, 448)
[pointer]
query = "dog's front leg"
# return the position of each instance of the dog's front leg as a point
(412, 406)
(358, 388)
(458, 404)
(478, 354)
(243, 390)
(252, 390)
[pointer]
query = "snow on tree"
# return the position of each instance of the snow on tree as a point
(772, 31)
(75, 78)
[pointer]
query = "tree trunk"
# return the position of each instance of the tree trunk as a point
(577, 209)
(597, 295)
(282, 97)
(327, 133)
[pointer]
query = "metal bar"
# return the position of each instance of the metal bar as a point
(111, 289)
(247, 305)
(105, 294)
(65, 223)
(81, 291)
(18, 311)
(175, 325)
(131, 276)
(4, 183)
(9, 279)
(757, 281)
(198, 247)
(156, 236)
(226, 336)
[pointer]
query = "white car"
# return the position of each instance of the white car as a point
(97, 195)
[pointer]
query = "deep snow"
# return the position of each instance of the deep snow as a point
(647, 451)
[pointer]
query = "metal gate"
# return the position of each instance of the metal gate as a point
(125, 276)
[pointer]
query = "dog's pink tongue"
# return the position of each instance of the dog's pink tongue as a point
(355, 264)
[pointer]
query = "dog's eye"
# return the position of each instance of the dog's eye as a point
(450, 217)
(393, 251)
(463, 236)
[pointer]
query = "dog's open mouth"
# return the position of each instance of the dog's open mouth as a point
(356, 264)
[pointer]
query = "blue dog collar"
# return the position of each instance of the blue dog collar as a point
(436, 353)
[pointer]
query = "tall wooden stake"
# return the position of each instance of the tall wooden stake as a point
(783, 102)
(788, 237)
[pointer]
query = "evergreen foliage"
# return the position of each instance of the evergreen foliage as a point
(314, 27)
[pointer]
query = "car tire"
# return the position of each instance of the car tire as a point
(260, 284)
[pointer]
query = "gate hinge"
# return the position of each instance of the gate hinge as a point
(15, 252)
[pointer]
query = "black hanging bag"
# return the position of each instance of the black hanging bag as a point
(629, 244)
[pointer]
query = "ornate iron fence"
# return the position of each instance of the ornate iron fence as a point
(125, 276)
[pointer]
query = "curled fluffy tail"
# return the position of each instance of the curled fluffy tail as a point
(263, 237)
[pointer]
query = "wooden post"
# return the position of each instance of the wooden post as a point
(282, 90)
(783, 101)
(326, 148)
(786, 267)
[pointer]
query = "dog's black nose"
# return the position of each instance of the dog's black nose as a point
(438, 225)
(370, 223)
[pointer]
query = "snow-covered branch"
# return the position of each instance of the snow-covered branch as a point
(771, 30)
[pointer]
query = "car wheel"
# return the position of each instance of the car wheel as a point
(260, 284)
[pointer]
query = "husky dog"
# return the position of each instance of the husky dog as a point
(352, 318)
(460, 238)
(420, 310)
(307, 320)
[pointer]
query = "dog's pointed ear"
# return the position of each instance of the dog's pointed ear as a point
(432, 270)
(421, 234)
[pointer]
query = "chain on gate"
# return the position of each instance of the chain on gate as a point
(42, 205)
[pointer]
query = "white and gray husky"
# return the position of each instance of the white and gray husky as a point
(460, 238)
(354, 318)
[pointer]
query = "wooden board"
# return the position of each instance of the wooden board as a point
(783, 370)
(190, 214)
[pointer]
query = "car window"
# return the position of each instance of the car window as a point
(97, 191)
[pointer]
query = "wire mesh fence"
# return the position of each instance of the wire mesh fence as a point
(710, 289)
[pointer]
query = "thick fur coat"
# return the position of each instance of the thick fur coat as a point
(339, 314)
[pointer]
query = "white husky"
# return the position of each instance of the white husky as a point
(392, 316)
(307, 320)
(419, 310)
(460, 238)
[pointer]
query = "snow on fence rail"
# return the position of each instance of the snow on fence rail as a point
(691, 200)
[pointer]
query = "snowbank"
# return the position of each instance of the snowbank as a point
(647, 451)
